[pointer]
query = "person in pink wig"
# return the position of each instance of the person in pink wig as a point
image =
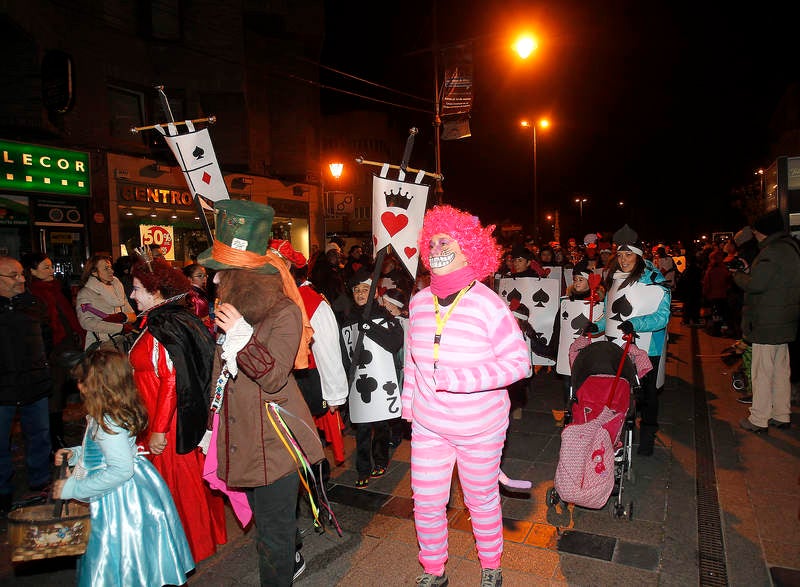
(463, 348)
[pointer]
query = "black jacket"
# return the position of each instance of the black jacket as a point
(191, 349)
(25, 340)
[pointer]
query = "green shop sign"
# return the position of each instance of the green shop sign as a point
(37, 168)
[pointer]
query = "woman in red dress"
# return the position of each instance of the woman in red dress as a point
(172, 361)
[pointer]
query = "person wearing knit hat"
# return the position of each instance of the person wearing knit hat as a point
(770, 316)
(637, 303)
(464, 348)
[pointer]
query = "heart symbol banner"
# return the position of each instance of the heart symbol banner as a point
(394, 223)
(398, 208)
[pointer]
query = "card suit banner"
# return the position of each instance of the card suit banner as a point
(195, 155)
(398, 208)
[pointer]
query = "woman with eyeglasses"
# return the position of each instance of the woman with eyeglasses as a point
(67, 334)
(200, 302)
(102, 307)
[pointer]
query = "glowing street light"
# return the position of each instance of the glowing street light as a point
(336, 168)
(544, 123)
(525, 45)
(581, 201)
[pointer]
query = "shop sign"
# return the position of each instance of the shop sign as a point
(155, 196)
(162, 236)
(14, 210)
(60, 212)
(37, 168)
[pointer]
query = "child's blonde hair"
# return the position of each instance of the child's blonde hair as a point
(108, 389)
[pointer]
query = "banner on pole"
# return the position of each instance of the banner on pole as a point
(196, 158)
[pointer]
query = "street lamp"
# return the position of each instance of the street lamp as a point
(524, 46)
(581, 201)
(336, 170)
(532, 126)
(760, 172)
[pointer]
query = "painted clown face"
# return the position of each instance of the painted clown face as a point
(445, 255)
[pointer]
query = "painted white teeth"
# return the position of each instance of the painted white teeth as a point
(441, 261)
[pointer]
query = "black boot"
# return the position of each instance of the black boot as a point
(647, 438)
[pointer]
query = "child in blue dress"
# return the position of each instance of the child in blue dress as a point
(136, 536)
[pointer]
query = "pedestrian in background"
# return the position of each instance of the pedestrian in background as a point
(25, 380)
(102, 306)
(770, 320)
(68, 335)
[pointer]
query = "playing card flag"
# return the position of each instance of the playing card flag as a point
(398, 208)
(197, 160)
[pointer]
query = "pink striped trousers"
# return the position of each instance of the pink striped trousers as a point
(432, 460)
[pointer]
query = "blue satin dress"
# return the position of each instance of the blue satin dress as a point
(136, 537)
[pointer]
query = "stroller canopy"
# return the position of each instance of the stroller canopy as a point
(602, 358)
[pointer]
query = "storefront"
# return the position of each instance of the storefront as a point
(151, 204)
(44, 197)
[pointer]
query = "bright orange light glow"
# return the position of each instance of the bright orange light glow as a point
(525, 45)
(544, 123)
(336, 169)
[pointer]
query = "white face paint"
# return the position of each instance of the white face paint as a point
(445, 255)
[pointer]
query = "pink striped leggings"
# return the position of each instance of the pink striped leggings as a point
(478, 458)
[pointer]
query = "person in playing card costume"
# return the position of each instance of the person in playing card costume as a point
(463, 349)
(374, 377)
(638, 301)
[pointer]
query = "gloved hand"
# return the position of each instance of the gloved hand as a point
(590, 328)
(127, 328)
(118, 318)
(626, 327)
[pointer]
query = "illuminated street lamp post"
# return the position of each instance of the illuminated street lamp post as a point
(581, 201)
(336, 170)
(760, 172)
(532, 126)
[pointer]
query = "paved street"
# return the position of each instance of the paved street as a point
(715, 505)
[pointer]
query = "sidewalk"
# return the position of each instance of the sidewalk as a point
(714, 505)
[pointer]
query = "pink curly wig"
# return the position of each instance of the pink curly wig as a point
(476, 242)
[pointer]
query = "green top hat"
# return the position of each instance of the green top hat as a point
(244, 227)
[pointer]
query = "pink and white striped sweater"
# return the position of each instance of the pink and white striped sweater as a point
(481, 352)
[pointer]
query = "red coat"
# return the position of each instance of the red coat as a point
(59, 309)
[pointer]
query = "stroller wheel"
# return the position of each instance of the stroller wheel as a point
(552, 497)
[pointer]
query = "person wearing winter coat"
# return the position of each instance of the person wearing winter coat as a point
(259, 404)
(102, 306)
(769, 320)
(638, 302)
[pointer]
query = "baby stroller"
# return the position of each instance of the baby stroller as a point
(597, 441)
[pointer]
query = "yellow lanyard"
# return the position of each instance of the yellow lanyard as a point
(440, 322)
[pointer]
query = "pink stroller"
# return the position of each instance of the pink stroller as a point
(597, 441)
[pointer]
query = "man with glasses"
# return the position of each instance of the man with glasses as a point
(25, 380)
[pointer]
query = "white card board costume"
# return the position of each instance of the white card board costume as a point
(538, 298)
(374, 393)
(573, 318)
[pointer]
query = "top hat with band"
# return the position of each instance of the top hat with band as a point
(241, 238)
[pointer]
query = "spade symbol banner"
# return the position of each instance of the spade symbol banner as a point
(373, 393)
(634, 300)
(195, 155)
(538, 296)
(398, 208)
(573, 318)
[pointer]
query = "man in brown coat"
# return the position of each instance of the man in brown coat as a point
(254, 387)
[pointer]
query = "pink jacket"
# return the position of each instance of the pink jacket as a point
(481, 352)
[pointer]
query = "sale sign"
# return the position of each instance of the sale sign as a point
(162, 236)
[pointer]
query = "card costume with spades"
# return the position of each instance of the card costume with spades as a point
(463, 349)
(261, 410)
(638, 301)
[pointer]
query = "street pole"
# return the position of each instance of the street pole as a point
(438, 191)
(535, 190)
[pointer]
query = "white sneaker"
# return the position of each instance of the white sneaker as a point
(299, 565)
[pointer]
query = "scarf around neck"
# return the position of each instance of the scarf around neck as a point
(445, 285)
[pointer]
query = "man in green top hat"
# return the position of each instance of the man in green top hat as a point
(254, 384)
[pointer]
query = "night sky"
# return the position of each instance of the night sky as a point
(663, 105)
